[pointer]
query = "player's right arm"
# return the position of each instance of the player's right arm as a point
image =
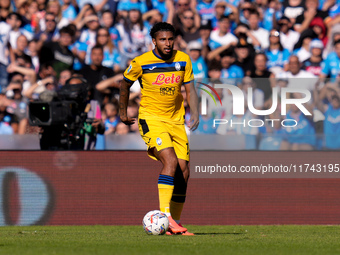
(123, 102)
(131, 74)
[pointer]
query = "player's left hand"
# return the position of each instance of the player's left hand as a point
(194, 122)
(127, 120)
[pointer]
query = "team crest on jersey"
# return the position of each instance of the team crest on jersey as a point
(178, 66)
(129, 69)
(159, 141)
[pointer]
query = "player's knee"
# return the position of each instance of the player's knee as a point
(171, 162)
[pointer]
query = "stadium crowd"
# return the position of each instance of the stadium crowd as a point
(260, 44)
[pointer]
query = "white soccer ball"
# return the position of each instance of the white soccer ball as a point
(155, 223)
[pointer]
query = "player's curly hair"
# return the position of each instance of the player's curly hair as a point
(161, 26)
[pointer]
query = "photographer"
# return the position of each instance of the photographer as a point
(71, 124)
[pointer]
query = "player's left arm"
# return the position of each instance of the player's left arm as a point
(192, 97)
(193, 103)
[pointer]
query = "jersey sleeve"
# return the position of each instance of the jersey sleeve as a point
(133, 72)
(188, 74)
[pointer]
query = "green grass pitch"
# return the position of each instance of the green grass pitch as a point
(289, 239)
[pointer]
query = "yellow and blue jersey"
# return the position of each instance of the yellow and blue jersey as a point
(161, 82)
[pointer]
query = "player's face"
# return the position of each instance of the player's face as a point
(164, 44)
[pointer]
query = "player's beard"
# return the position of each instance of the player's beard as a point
(163, 54)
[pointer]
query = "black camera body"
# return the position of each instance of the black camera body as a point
(61, 116)
(61, 108)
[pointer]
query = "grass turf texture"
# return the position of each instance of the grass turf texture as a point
(210, 240)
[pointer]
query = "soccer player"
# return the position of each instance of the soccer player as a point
(161, 73)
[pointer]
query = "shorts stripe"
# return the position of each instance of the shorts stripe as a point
(145, 127)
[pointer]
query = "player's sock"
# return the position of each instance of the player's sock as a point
(165, 190)
(178, 196)
(176, 209)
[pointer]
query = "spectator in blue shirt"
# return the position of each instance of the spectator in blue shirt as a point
(199, 66)
(277, 55)
(328, 101)
(331, 65)
(230, 72)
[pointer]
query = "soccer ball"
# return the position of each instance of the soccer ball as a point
(155, 223)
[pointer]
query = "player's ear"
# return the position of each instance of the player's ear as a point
(154, 41)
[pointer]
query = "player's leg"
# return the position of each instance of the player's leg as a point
(166, 177)
(180, 188)
(166, 184)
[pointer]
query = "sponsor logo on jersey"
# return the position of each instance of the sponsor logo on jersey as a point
(159, 141)
(162, 79)
(167, 91)
(178, 66)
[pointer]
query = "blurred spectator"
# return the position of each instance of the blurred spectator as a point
(205, 9)
(311, 13)
(135, 36)
(222, 34)
(5, 117)
(49, 33)
(271, 15)
(258, 95)
(313, 64)
(18, 106)
(97, 5)
(229, 70)
(244, 35)
(162, 6)
(189, 31)
(4, 46)
(261, 75)
(112, 58)
(88, 35)
(181, 6)
(32, 51)
(199, 66)
(244, 56)
(260, 33)
(331, 65)
(302, 135)
(277, 55)
(319, 29)
(122, 129)
(69, 12)
(207, 43)
(124, 6)
(110, 87)
(78, 49)
(288, 37)
(64, 76)
(28, 74)
(334, 36)
(112, 118)
(107, 21)
(330, 93)
(295, 75)
(96, 72)
(246, 8)
(21, 48)
(292, 9)
(219, 12)
(5, 9)
(57, 53)
(14, 20)
(54, 7)
(5, 127)
(301, 48)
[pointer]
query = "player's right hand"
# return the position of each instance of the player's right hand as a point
(127, 120)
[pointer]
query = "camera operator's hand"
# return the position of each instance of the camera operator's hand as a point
(127, 120)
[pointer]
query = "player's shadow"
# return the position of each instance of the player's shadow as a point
(209, 234)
